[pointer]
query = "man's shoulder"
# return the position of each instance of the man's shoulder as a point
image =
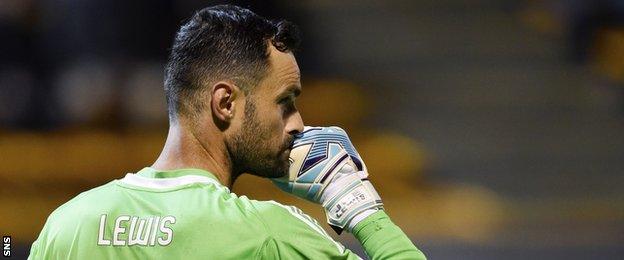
(83, 202)
(281, 219)
(273, 210)
(65, 220)
(291, 225)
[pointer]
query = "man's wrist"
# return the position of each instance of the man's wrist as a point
(371, 223)
(359, 218)
(346, 198)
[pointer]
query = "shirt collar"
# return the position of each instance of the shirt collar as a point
(152, 178)
(150, 172)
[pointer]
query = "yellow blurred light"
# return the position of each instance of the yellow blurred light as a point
(389, 154)
(608, 53)
(332, 102)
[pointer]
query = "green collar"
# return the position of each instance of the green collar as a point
(150, 172)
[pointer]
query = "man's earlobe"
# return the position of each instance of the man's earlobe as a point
(222, 101)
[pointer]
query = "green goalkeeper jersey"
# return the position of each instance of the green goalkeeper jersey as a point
(188, 214)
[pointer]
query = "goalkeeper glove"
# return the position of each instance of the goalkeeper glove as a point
(325, 168)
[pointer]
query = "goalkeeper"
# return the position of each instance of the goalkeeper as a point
(231, 81)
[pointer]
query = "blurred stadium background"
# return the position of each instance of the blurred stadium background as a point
(492, 129)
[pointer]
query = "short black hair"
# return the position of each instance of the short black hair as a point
(222, 42)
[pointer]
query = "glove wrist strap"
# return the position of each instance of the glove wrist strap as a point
(350, 197)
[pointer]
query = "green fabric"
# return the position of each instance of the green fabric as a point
(197, 220)
(153, 173)
(382, 239)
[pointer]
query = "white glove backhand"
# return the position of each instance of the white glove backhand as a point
(325, 168)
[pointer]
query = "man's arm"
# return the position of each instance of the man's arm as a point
(326, 169)
(382, 239)
(35, 253)
(295, 235)
(274, 248)
(292, 234)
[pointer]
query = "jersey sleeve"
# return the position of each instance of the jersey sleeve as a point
(295, 235)
(275, 248)
(34, 251)
(382, 239)
(40, 247)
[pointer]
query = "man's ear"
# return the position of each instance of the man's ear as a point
(222, 102)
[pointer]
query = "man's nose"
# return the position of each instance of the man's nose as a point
(295, 124)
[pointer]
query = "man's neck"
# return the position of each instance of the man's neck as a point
(184, 150)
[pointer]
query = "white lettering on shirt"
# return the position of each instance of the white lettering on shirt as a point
(137, 231)
(119, 230)
(101, 240)
(166, 230)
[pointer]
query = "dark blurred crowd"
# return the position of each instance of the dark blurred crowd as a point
(593, 31)
(88, 62)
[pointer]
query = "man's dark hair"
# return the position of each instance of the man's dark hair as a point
(222, 42)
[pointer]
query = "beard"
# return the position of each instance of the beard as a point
(252, 151)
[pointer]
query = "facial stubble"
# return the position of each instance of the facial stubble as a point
(251, 149)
